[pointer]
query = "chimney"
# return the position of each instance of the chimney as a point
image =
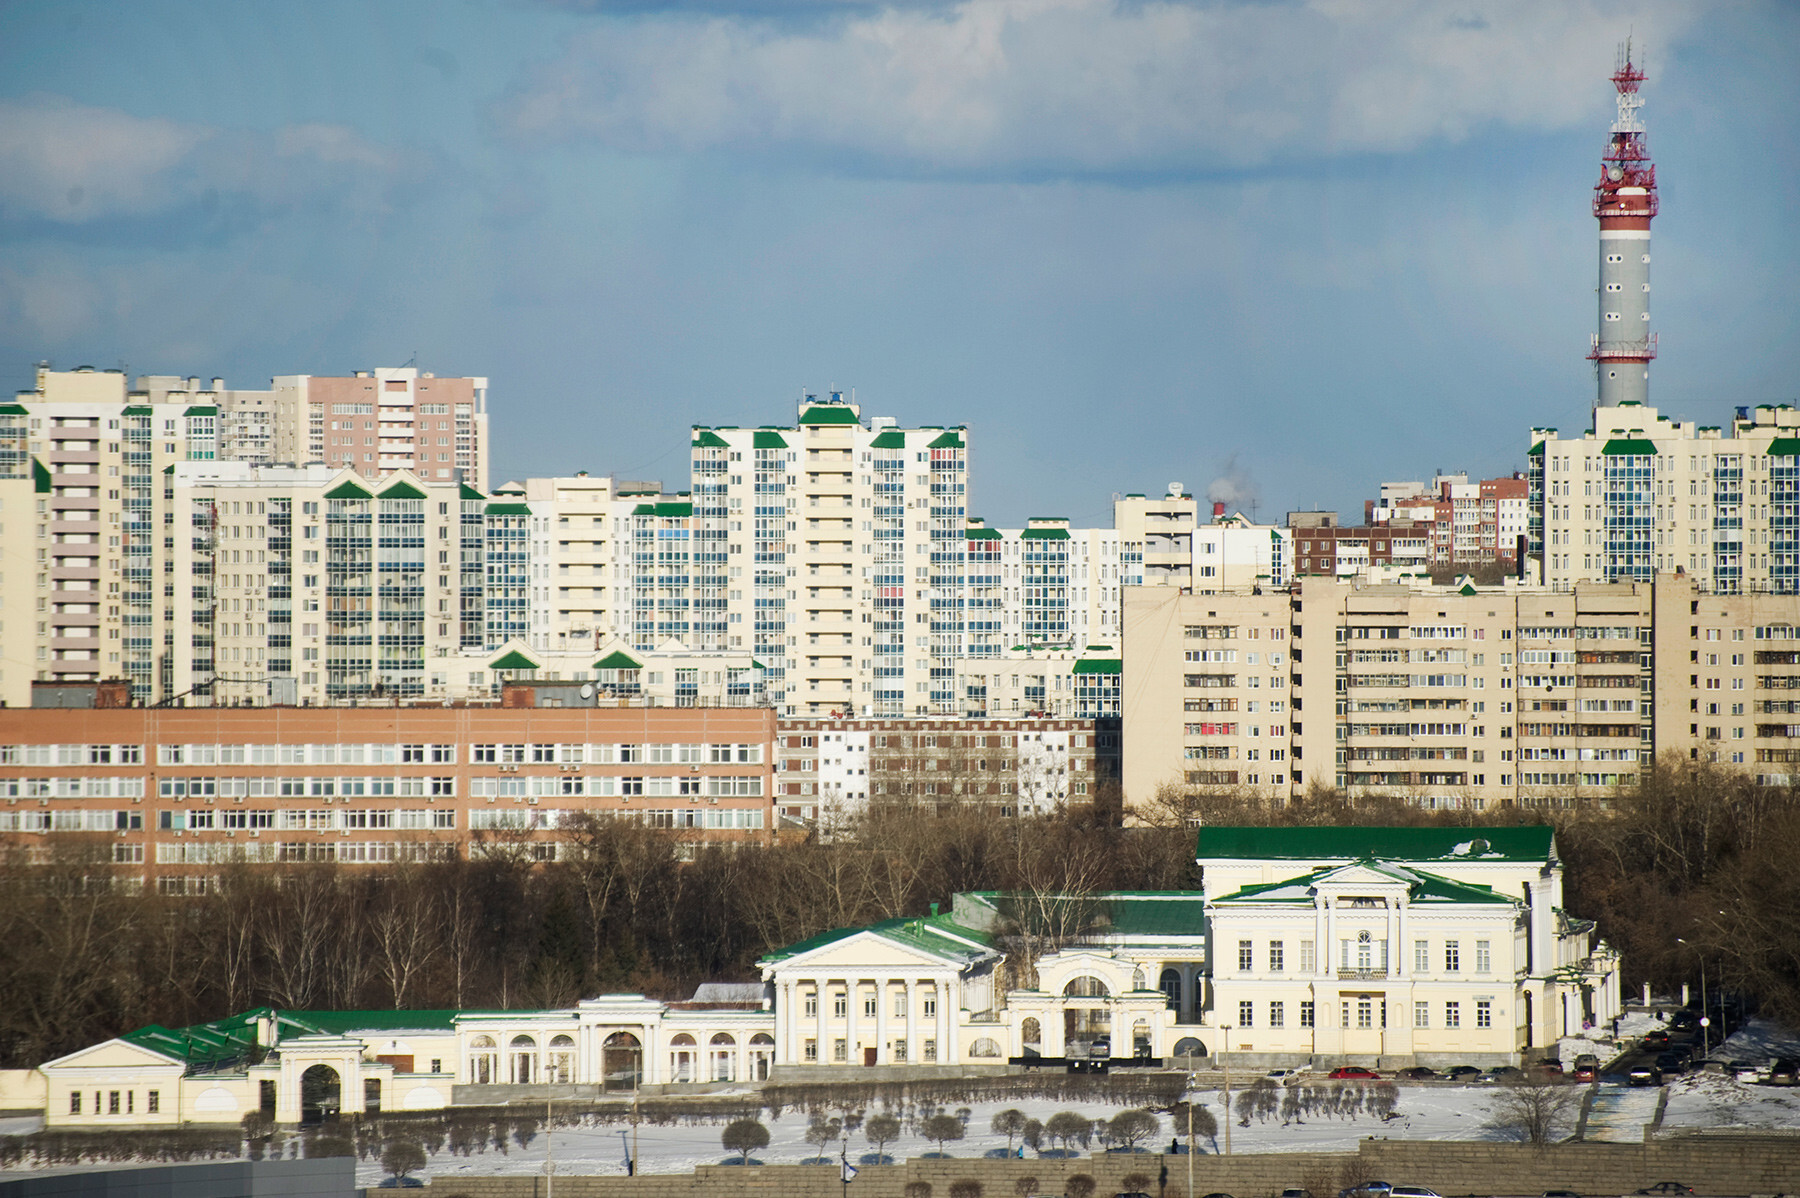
(1218, 511)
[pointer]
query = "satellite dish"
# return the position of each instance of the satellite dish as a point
(587, 690)
(1614, 173)
(1175, 490)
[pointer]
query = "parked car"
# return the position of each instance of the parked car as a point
(1667, 1187)
(1367, 1189)
(1744, 1071)
(1561, 1194)
(1295, 1192)
(1549, 1069)
(1343, 1072)
(1462, 1073)
(1418, 1073)
(1587, 1071)
(1672, 1062)
(1655, 1038)
(1215, 1194)
(1503, 1073)
(1144, 1194)
(1784, 1072)
(1685, 1017)
(1644, 1075)
(1412, 1192)
(1285, 1077)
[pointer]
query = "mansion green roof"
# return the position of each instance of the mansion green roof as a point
(402, 490)
(889, 438)
(235, 1035)
(983, 534)
(465, 491)
(1528, 842)
(705, 438)
(1100, 665)
(618, 659)
(513, 661)
(347, 490)
(828, 414)
(767, 439)
(509, 509)
(1636, 447)
(1044, 534)
(937, 935)
(663, 509)
(1422, 887)
(949, 440)
(1784, 447)
(18, 409)
(201, 410)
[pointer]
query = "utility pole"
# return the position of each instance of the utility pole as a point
(1190, 1152)
(1225, 1062)
(549, 1147)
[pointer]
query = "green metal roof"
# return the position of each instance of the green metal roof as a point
(137, 410)
(937, 935)
(14, 409)
(1784, 447)
(509, 509)
(347, 490)
(465, 491)
(1045, 534)
(1422, 887)
(235, 1035)
(1536, 451)
(1467, 589)
(663, 509)
(1636, 447)
(201, 410)
(513, 661)
(705, 438)
(40, 477)
(984, 534)
(889, 438)
(828, 414)
(618, 659)
(402, 490)
(1100, 665)
(767, 439)
(1528, 842)
(949, 440)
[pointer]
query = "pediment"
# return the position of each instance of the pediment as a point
(867, 950)
(113, 1054)
(1358, 876)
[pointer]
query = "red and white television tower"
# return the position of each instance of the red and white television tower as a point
(1625, 203)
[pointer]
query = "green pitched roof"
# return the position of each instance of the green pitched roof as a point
(1467, 589)
(1636, 447)
(1100, 665)
(235, 1035)
(1531, 842)
(889, 438)
(40, 477)
(465, 491)
(1045, 534)
(12, 409)
(828, 414)
(347, 490)
(201, 410)
(705, 438)
(663, 509)
(983, 534)
(402, 490)
(949, 440)
(1536, 451)
(618, 659)
(509, 509)
(137, 410)
(937, 935)
(767, 439)
(513, 661)
(1784, 447)
(1422, 887)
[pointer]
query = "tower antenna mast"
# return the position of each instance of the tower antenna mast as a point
(1624, 203)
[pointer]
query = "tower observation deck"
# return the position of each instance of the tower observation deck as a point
(1625, 204)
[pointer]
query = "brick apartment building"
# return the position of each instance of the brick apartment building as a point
(176, 793)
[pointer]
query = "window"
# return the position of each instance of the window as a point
(112, 1102)
(1421, 1014)
(1484, 1013)
(1306, 1012)
(812, 1050)
(1452, 1014)
(74, 1102)
(928, 1007)
(812, 1006)
(1246, 1014)
(840, 1004)
(1421, 956)
(1452, 956)
(153, 1102)
(1246, 956)
(1365, 1013)
(1275, 956)
(840, 1050)
(929, 1050)
(1484, 957)
(869, 1006)
(1277, 1014)
(1308, 962)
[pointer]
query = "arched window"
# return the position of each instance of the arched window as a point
(984, 1047)
(1086, 986)
(621, 1062)
(683, 1058)
(1137, 979)
(762, 1056)
(1187, 1046)
(724, 1058)
(1031, 1035)
(484, 1061)
(522, 1059)
(559, 1063)
(1170, 984)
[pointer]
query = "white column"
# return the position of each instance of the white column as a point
(786, 1026)
(852, 996)
(911, 1024)
(946, 1048)
(882, 999)
(1397, 931)
(823, 1000)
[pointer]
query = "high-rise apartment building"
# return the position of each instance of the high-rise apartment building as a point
(379, 421)
(1454, 696)
(1641, 493)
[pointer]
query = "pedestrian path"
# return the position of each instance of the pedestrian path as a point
(1619, 1113)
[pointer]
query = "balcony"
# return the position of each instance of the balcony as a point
(1361, 975)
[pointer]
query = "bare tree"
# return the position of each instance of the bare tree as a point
(1534, 1110)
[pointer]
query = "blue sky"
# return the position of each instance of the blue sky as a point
(1301, 247)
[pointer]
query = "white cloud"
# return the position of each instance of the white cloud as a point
(74, 164)
(1088, 85)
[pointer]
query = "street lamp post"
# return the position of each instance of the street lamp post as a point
(1705, 1017)
(1225, 1063)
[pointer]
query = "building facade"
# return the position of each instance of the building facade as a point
(171, 795)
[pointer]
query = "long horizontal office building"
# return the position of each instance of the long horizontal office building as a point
(176, 794)
(1453, 696)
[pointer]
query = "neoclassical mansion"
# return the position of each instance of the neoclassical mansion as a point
(1385, 946)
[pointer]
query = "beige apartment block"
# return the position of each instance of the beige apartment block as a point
(1048, 680)
(581, 584)
(1641, 494)
(1452, 696)
(379, 421)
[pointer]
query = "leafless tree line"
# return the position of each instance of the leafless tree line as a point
(1696, 853)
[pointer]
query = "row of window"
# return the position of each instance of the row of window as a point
(152, 1102)
(1366, 952)
(1367, 1013)
(379, 754)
